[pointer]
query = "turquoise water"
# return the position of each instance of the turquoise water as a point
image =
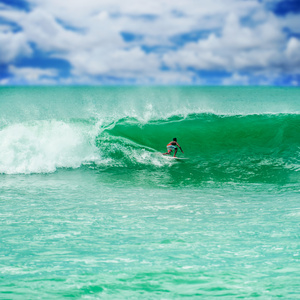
(90, 210)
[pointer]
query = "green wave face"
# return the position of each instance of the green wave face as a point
(228, 134)
(253, 148)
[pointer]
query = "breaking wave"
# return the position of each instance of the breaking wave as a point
(256, 147)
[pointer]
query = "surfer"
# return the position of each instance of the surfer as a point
(173, 146)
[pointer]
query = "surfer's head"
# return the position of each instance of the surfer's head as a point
(175, 140)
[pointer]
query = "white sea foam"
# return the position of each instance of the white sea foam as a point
(44, 146)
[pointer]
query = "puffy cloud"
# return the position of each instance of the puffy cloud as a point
(172, 40)
(32, 75)
(238, 48)
(236, 79)
(12, 46)
(292, 53)
(122, 63)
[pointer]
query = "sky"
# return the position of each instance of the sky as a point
(158, 42)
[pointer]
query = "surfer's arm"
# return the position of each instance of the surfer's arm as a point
(179, 147)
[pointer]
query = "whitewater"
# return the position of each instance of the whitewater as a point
(90, 209)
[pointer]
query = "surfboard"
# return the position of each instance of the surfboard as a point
(172, 157)
(178, 158)
(175, 158)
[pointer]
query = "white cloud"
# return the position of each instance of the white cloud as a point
(4, 81)
(119, 63)
(243, 36)
(292, 53)
(236, 79)
(32, 75)
(12, 46)
(291, 21)
(238, 48)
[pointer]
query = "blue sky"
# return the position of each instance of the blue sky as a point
(190, 42)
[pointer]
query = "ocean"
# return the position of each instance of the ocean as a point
(90, 209)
